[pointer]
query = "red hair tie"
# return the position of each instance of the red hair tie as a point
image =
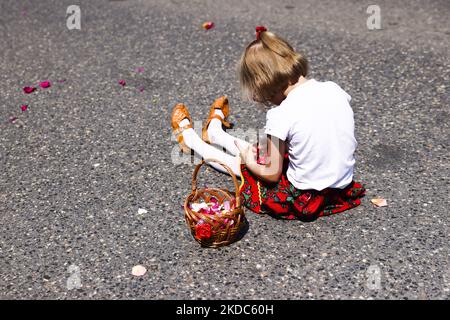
(260, 29)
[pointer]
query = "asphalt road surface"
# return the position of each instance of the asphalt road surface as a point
(88, 153)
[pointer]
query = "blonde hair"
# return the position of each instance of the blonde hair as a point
(268, 66)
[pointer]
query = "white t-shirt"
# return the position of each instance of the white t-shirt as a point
(316, 121)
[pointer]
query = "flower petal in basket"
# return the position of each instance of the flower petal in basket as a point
(223, 221)
(203, 231)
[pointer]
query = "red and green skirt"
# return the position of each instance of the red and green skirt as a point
(282, 200)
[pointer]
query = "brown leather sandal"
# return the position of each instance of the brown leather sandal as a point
(222, 104)
(179, 113)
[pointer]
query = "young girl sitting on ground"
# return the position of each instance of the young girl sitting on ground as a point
(308, 171)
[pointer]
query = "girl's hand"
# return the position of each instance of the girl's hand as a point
(247, 152)
(272, 167)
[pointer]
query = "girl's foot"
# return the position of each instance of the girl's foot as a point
(181, 120)
(219, 111)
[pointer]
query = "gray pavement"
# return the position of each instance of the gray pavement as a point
(88, 153)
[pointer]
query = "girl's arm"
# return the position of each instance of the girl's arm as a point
(271, 171)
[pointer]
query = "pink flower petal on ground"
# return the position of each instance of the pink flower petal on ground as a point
(140, 69)
(141, 89)
(62, 81)
(122, 82)
(208, 25)
(380, 202)
(138, 271)
(29, 89)
(12, 119)
(24, 108)
(45, 84)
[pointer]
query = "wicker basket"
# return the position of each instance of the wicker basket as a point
(223, 229)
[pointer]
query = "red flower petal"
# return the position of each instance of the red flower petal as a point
(29, 89)
(214, 200)
(24, 107)
(45, 84)
(208, 25)
(122, 82)
(203, 231)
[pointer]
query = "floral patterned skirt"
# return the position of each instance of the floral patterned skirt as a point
(282, 200)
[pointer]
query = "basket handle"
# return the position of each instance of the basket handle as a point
(233, 176)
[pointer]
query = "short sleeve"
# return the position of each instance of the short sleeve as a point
(277, 124)
(346, 95)
(349, 97)
(342, 91)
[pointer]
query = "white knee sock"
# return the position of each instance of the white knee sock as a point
(207, 151)
(219, 137)
(184, 122)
